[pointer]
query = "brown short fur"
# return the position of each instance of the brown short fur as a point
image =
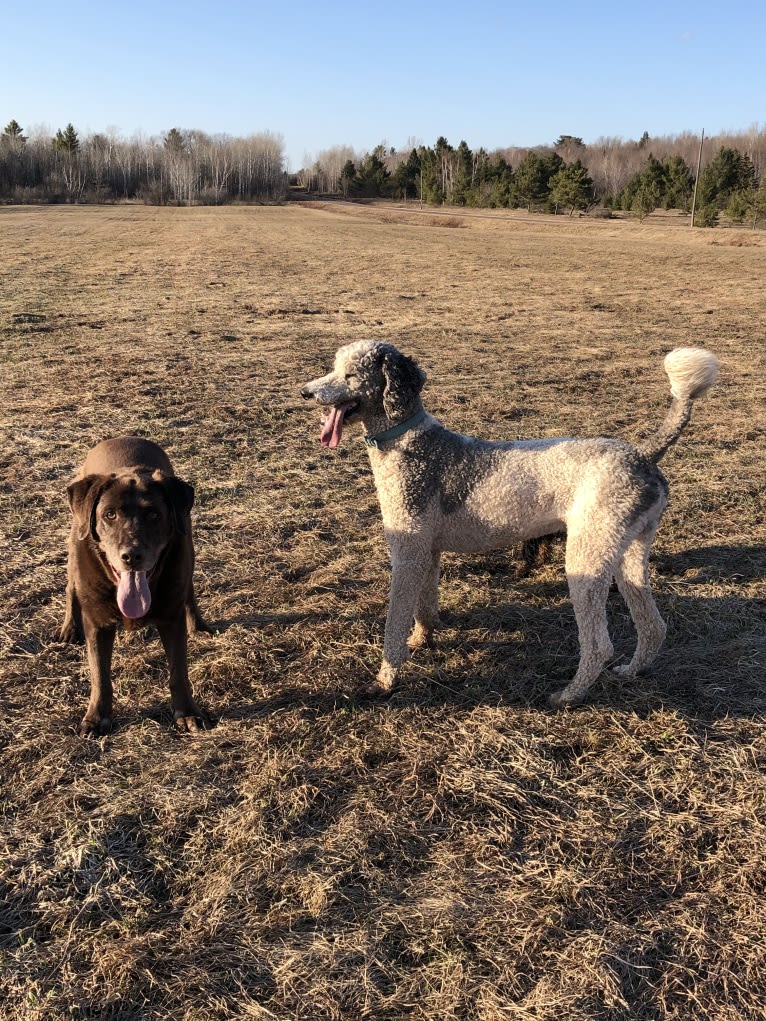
(131, 511)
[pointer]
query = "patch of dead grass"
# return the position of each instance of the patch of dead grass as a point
(459, 851)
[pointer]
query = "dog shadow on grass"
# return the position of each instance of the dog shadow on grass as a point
(512, 649)
(522, 645)
(712, 661)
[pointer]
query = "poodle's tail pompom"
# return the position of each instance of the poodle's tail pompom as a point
(691, 371)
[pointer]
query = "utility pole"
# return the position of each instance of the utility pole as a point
(697, 178)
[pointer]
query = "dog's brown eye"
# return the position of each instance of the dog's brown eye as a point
(152, 515)
(110, 515)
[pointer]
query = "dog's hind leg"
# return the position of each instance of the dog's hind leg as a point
(408, 575)
(589, 574)
(72, 628)
(427, 607)
(633, 582)
(195, 622)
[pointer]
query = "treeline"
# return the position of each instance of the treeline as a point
(611, 174)
(182, 168)
(191, 167)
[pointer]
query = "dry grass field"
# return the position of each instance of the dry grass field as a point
(458, 851)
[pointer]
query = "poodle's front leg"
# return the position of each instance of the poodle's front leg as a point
(408, 571)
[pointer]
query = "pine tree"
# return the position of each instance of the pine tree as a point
(729, 172)
(174, 141)
(571, 187)
(530, 181)
(747, 204)
(372, 175)
(13, 132)
(679, 184)
(407, 176)
(67, 141)
(646, 189)
(347, 177)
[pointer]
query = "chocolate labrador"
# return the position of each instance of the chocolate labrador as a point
(131, 560)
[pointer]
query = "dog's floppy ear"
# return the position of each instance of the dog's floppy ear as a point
(180, 499)
(83, 496)
(403, 382)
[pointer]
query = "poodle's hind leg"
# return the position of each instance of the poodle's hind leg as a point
(588, 595)
(589, 575)
(633, 582)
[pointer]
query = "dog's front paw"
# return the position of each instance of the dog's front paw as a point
(624, 670)
(192, 720)
(561, 699)
(378, 688)
(95, 727)
(384, 682)
(421, 638)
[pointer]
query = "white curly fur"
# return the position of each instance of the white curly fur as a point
(441, 491)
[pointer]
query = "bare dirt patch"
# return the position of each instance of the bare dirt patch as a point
(459, 851)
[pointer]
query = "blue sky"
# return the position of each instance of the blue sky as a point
(322, 74)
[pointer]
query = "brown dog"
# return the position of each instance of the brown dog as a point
(131, 560)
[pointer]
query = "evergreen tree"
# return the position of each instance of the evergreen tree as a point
(565, 141)
(747, 204)
(679, 184)
(493, 182)
(646, 189)
(372, 175)
(571, 187)
(552, 163)
(406, 178)
(530, 181)
(462, 177)
(431, 190)
(500, 173)
(67, 141)
(13, 133)
(645, 199)
(347, 177)
(443, 168)
(174, 141)
(729, 172)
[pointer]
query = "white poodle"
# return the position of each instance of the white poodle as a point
(439, 490)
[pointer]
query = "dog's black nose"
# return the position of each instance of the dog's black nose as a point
(133, 558)
(305, 392)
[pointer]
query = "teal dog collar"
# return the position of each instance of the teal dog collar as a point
(395, 431)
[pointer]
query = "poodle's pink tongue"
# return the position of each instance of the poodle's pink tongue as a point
(332, 427)
(133, 595)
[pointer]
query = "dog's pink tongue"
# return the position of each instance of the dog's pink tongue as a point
(133, 595)
(332, 428)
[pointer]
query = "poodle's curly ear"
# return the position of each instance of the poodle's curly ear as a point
(404, 380)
